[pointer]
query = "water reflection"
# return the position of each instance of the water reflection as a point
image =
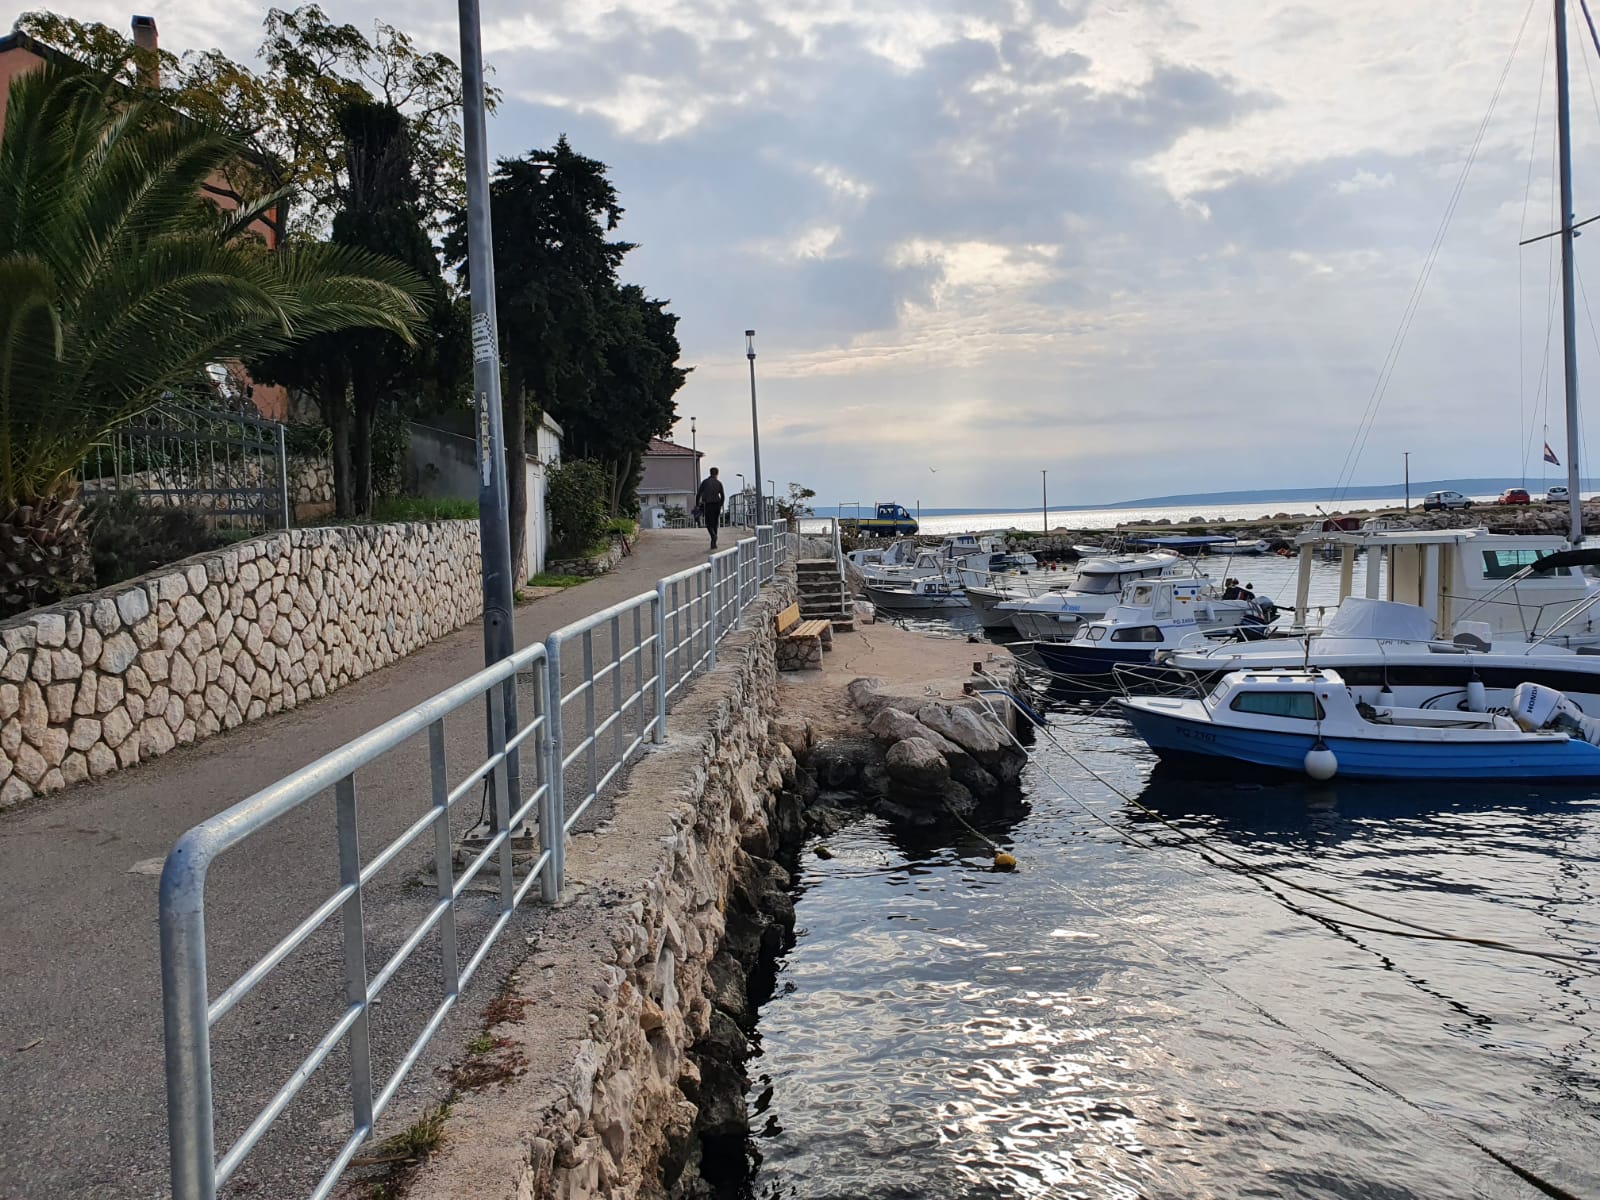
(1122, 1020)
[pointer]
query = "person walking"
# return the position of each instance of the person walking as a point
(709, 500)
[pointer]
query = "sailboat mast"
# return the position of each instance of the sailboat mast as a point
(1569, 337)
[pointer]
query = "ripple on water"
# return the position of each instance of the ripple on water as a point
(1128, 1021)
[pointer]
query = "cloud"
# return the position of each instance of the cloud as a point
(1149, 246)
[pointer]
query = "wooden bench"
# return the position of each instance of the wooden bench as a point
(801, 643)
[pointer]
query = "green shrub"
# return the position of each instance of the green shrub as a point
(576, 497)
(623, 527)
(420, 508)
(391, 440)
(128, 538)
(306, 439)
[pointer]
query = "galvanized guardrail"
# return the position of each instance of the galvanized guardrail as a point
(626, 663)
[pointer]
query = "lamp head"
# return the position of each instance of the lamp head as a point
(750, 343)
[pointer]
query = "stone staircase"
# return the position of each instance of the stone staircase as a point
(822, 593)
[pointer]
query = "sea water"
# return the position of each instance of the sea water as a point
(1132, 1014)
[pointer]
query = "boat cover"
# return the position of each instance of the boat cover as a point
(1176, 542)
(1359, 617)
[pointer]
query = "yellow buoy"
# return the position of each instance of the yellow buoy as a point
(1004, 862)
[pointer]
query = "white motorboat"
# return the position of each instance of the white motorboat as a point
(1314, 721)
(1003, 577)
(1152, 615)
(1054, 615)
(929, 592)
(1505, 609)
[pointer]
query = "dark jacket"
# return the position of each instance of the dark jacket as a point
(710, 493)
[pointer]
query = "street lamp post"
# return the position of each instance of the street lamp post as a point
(772, 511)
(1044, 503)
(742, 490)
(755, 424)
(1407, 453)
(494, 534)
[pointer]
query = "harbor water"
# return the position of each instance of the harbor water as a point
(1165, 999)
(1110, 518)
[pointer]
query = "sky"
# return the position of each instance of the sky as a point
(1145, 246)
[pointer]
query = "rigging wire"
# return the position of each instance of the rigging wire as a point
(1392, 357)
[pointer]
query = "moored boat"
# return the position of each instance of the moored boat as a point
(1313, 722)
(1152, 615)
(929, 592)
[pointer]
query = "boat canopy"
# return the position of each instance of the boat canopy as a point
(1358, 617)
(1584, 556)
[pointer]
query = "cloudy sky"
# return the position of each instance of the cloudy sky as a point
(1149, 246)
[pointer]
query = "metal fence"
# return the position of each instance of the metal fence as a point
(229, 466)
(600, 693)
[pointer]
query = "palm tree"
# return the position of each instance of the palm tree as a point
(119, 284)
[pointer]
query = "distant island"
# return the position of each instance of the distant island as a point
(1270, 498)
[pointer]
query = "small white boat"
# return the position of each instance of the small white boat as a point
(1054, 615)
(1312, 722)
(1003, 577)
(1153, 615)
(929, 592)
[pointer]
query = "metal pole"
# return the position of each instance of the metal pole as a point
(283, 477)
(755, 424)
(1569, 337)
(494, 534)
(1044, 503)
(184, 1004)
(1407, 453)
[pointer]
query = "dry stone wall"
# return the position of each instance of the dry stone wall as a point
(124, 675)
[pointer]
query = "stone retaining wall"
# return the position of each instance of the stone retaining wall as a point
(123, 675)
(634, 988)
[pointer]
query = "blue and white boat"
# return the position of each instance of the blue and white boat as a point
(1311, 722)
(1152, 615)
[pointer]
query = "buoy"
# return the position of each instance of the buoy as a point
(1004, 862)
(1320, 761)
(1477, 699)
(1385, 697)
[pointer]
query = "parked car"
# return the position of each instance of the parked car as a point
(1557, 495)
(1514, 496)
(1434, 501)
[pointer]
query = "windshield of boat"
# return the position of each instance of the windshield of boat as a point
(1302, 706)
(1503, 564)
(1098, 585)
(1140, 595)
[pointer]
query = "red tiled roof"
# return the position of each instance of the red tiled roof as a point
(662, 446)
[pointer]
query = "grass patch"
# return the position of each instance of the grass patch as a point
(418, 508)
(621, 527)
(546, 579)
(420, 1140)
(481, 1044)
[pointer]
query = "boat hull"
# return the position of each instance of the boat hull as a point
(1066, 658)
(985, 603)
(1173, 736)
(915, 601)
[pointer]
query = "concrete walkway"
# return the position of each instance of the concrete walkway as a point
(82, 1094)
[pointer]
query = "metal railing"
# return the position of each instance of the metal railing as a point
(229, 466)
(600, 692)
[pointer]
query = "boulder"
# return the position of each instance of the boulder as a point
(963, 727)
(838, 763)
(895, 725)
(793, 732)
(863, 694)
(916, 763)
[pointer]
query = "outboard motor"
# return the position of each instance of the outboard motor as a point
(1535, 707)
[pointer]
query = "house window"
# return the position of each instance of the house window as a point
(1301, 706)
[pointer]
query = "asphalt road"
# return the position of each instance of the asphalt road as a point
(82, 1094)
